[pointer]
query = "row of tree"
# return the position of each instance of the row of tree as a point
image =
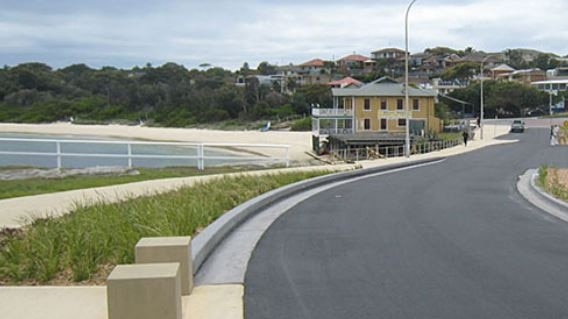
(171, 95)
(168, 95)
(501, 99)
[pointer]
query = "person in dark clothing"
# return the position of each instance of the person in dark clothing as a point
(465, 137)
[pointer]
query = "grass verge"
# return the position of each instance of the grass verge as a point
(554, 181)
(84, 245)
(36, 186)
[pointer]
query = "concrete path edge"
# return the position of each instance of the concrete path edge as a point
(206, 242)
(543, 194)
(528, 188)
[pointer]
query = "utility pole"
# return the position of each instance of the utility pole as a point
(407, 99)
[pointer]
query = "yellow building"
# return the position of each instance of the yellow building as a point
(377, 107)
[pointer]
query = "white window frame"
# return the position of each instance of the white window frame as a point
(381, 127)
(370, 105)
(397, 122)
(386, 105)
(400, 109)
(418, 109)
(370, 124)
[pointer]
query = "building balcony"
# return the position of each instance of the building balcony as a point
(334, 131)
(332, 113)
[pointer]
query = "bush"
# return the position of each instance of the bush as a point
(304, 124)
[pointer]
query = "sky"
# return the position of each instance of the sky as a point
(126, 33)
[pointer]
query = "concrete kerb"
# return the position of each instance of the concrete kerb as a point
(528, 188)
(206, 242)
(544, 195)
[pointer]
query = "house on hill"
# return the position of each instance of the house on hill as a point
(501, 70)
(345, 83)
(352, 64)
(315, 71)
(526, 76)
(388, 53)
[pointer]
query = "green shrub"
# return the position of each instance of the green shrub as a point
(304, 124)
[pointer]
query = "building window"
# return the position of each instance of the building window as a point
(399, 104)
(416, 105)
(367, 105)
(367, 124)
(383, 104)
(401, 122)
(384, 125)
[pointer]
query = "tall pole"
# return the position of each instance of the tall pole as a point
(482, 107)
(407, 99)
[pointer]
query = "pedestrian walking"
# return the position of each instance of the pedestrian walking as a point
(555, 132)
(465, 137)
(551, 135)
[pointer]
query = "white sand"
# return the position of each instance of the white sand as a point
(299, 142)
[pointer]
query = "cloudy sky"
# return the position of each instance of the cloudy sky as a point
(225, 33)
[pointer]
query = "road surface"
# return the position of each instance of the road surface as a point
(452, 240)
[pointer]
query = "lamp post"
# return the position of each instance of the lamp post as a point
(482, 107)
(407, 99)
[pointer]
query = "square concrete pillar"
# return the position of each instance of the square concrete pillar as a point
(165, 250)
(145, 291)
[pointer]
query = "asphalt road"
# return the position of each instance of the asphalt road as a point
(452, 240)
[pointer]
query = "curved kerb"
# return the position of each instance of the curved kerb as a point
(544, 195)
(206, 242)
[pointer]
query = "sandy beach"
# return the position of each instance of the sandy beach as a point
(299, 142)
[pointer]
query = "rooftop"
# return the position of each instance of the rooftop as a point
(389, 50)
(383, 87)
(314, 62)
(503, 67)
(345, 82)
(355, 58)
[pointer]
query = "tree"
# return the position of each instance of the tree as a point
(505, 99)
(264, 68)
(515, 59)
(461, 71)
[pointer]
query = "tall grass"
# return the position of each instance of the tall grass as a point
(542, 176)
(549, 180)
(81, 246)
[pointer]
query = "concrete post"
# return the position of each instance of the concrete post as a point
(166, 250)
(146, 291)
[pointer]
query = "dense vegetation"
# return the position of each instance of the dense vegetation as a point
(502, 99)
(168, 95)
(85, 244)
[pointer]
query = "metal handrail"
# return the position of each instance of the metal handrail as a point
(200, 157)
(393, 151)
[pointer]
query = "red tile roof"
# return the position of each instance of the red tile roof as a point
(355, 58)
(314, 62)
(345, 81)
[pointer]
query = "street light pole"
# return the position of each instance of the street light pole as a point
(407, 99)
(481, 113)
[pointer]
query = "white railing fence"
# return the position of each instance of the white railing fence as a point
(239, 149)
(376, 152)
(332, 112)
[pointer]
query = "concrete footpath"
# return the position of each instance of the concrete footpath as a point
(206, 302)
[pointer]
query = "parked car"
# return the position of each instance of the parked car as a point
(518, 126)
